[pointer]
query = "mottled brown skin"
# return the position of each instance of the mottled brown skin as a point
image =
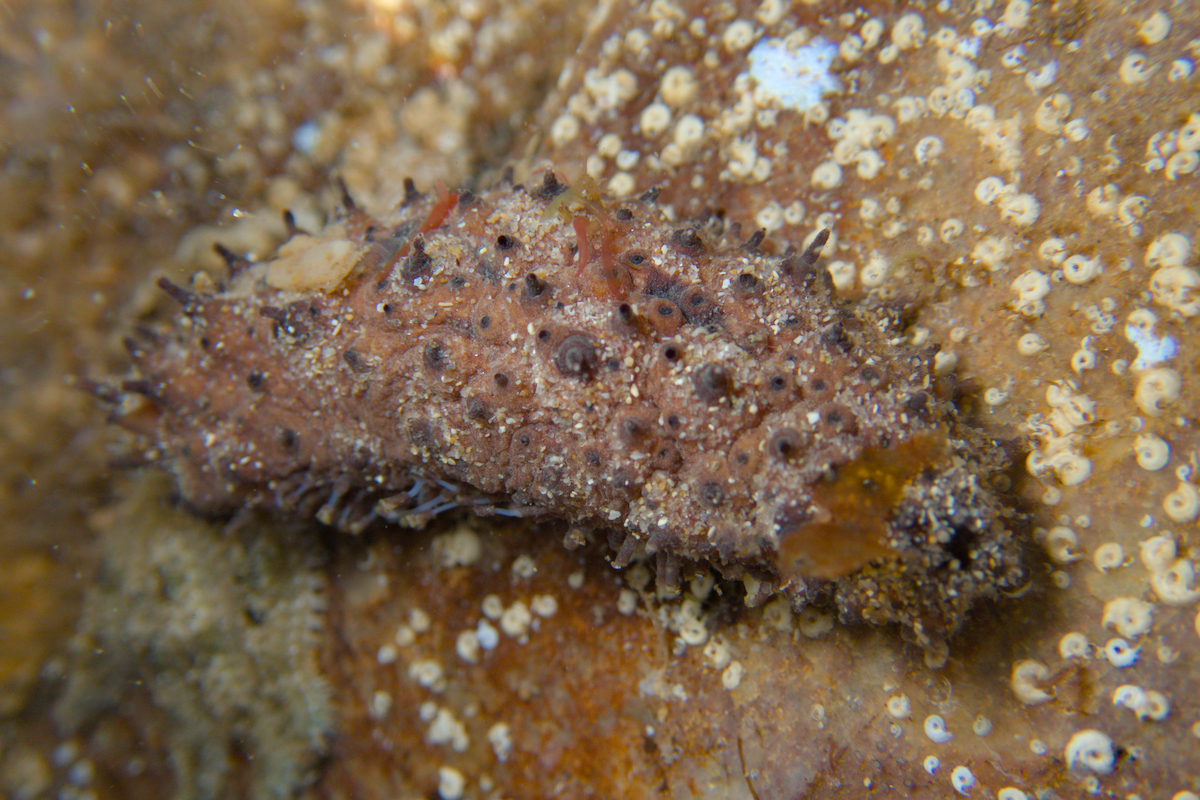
(536, 352)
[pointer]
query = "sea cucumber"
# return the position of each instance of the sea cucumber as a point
(538, 351)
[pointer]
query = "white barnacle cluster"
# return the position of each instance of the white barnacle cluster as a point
(935, 729)
(1183, 504)
(899, 707)
(993, 252)
(1053, 250)
(1030, 344)
(731, 676)
(1015, 17)
(516, 620)
(843, 275)
(1059, 434)
(1120, 653)
(876, 271)
(451, 783)
(544, 605)
(1106, 202)
(1173, 284)
(1155, 28)
(608, 90)
(1028, 682)
(814, 623)
(908, 33)
(1020, 209)
(1085, 357)
(1103, 201)
(1135, 69)
(716, 652)
(1152, 349)
(1031, 288)
(467, 646)
(459, 548)
(1076, 268)
(524, 567)
(1079, 269)
(1156, 387)
(1002, 136)
(1042, 77)
(444, 727)
(1061, 544)
(1051, 116)
(1175, 153)
(1074, 645)
(687, 621)
(1145, 703)
(428, 674)
(690, 625)
(955, 96)
(500, 738)
(856, 139)
(743, 161)
(962, 779)
(1089, 750)
(928, 149)
(1172, 577)
(1108, 556)
(1157, 553)
(1101, 316)
(1130, 616)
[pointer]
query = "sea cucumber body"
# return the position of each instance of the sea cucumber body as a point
(701, 403)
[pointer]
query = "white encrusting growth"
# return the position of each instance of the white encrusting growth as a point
(792, 75)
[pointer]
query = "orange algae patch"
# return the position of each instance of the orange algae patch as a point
(583, 206)
(849, 528)
(441, 209)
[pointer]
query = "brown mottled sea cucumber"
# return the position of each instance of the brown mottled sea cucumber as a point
(534, 351)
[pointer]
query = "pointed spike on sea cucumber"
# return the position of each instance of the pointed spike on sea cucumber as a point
(627, 551)
(137, 458)
(813, 251)
(232, 260)
(347, 200)
(133, 348)
(273, 313)
(289, 223)
(140, 386)
(142, 422)
(148, 335)
(650, 196)
(178, 293)
(667, 572)
(411, 195)
(101, 391)
(551, 187)
(755, 240)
